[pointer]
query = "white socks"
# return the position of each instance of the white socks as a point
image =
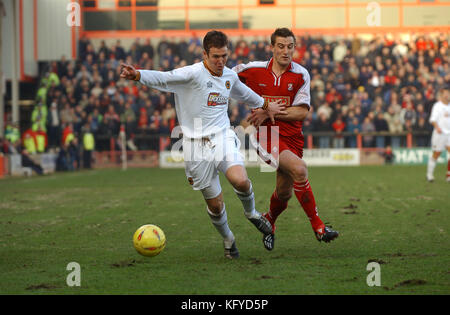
(430, 167)
(220, 221)
(248, 201)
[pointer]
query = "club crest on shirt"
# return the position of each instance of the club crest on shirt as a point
(215, 99)
(290, 86)
(228, 85)
(209, 84)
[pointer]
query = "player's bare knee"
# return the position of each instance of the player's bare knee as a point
(215, 205)
(299, 174)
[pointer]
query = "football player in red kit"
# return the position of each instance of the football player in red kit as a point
(281, 78)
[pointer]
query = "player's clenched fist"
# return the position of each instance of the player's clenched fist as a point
(128, 72)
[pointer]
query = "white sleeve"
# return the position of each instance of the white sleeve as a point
(166, 81)
(434, 113)
(303, 95)
(242, 93)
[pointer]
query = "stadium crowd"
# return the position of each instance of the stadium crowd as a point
(379, 85)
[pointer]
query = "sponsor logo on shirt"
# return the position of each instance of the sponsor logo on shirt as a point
(215, 99)
(286, 100)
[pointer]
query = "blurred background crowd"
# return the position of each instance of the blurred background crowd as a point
(380, 85)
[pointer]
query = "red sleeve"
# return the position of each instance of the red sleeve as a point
(243, 76)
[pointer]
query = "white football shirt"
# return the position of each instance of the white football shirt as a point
(201, 99)
(440, 114)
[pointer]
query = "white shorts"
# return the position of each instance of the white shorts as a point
(205, 157)
(440, 141)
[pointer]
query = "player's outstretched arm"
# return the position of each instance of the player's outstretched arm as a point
(166, 81)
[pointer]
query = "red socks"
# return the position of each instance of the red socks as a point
(305, 196)
(448, 167)
(276, 208)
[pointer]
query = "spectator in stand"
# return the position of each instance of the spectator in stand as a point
(166, 62)
(164, 128)
(128, 119)
(12, 136)
(394, 123)
(148, 105)
(142, 123)
(354, 127)
(62, 160)
(88, 145)
(325, 109)
(168, 113)
(74, 155)
(54, 125)
(242, 51)
(408, 114)
(119, 51)
(41, 140)
(67, 134)
(39, 117)
(80, 118)
(323, 125)
(97, 90)
(95, 120)
(348, 74)
(422, 130)
(381, 125)
(147, 48)
(135, 51)
(153, 129)
(309, 122)
(29, 141)
(367, 126)
(339, 127)
(66, 113)
(112, 121)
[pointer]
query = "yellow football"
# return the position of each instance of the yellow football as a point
(149, 240)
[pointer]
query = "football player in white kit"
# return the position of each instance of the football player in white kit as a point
(440, 139)
(202, 91)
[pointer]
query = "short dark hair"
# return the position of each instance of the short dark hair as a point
(441, 92)
(215, 39)
(281, 32)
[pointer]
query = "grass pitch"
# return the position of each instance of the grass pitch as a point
(385, 214)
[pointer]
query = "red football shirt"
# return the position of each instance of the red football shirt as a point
(293, 87)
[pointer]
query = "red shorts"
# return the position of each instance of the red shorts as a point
(271, 145)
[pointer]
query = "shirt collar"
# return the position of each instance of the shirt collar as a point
(210, 71)
(270, 64)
